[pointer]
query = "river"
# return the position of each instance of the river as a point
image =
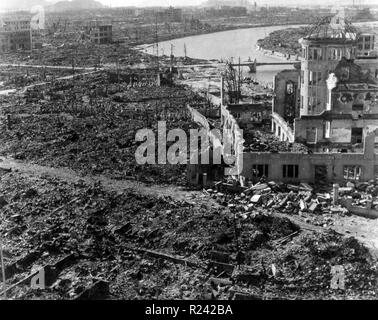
(228, 44)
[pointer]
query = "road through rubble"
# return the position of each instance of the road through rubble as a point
(71, 176)
(365, 230)
(94, 242)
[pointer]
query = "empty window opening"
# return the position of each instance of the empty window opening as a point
(315, 54)
(290, 171)
(358, 107)
(311, 135)
(321, 173)
(352, 172)
(315, 77)
(356, 135)
(289, 87)
(260, 170)
(327, 129)
(335, 53)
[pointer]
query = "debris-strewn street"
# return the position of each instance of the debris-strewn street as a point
(134, 244)
(81, 218)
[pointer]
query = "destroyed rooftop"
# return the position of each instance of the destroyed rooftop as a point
(333, 28)
(73, 199)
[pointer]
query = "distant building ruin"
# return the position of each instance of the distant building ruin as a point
(15, 34)
(100, 32)
(331, 104)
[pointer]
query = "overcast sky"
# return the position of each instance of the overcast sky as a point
(259, 2)
(117, 3)
(196, 2)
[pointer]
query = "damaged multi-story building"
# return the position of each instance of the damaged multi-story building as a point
(100, 32)
(15, 34)
(331, 103)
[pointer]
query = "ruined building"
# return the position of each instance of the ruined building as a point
(100, 32)
(331, 103)
(15, 34)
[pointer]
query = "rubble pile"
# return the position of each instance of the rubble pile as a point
(65, 52)
(261, 240)
(16, 77)
(98, 243)
(94, 137)
(260, 141)
(313, 202)
(69, 53)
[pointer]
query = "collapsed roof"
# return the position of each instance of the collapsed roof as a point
(332, 27)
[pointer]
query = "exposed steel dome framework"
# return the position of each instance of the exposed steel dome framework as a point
(332, 27)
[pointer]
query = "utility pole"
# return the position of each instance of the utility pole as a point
(172, 56)
(3, 270)
(31, 40)
(157, 45)
(119, 86)
(239, 83)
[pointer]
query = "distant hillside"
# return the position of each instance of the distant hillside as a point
(16, 5)
(52, 5)
(74, 5)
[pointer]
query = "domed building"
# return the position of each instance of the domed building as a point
(336, 97)
(327, 42)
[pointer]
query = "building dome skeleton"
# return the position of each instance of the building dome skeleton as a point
(338, 71)
(332, 27)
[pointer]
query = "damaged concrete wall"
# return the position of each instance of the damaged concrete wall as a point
(340, 130)
(368, 64)
(285, 104)
(297, 167)
(231, 129)
(250, 115)
(204, 174)
(355, 103)
(280, 102)
(281, 129)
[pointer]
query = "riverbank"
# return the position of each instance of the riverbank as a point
(216, 29)
(284, 43)
(279, 55)
(222, 28)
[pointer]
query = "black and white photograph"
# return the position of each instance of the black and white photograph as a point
(188, 154)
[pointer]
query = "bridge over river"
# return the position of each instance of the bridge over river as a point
(251, 64)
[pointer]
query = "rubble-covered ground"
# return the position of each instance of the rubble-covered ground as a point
(139, 236)
(125, 244)
(284, 41)
(264, 141)
(12, 77)
(90, 125)
(80, 55)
